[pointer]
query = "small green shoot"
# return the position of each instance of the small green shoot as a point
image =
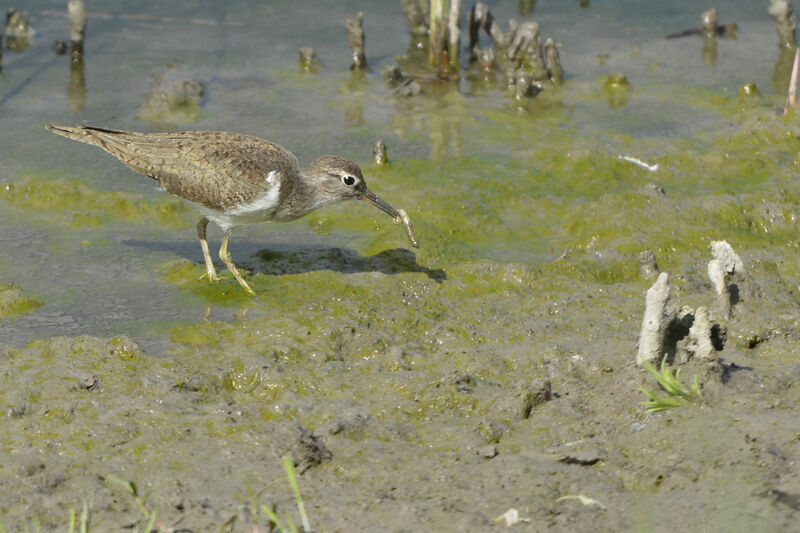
(677, 394)
(290, 527)
(37, 527)
(130, 488)
(150, 522)
(83, 525)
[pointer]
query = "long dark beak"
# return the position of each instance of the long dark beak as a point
(369, 196)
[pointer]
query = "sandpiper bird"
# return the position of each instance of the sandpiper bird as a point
(234, 179)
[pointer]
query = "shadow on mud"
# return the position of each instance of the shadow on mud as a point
(395, 261)
(308, 259)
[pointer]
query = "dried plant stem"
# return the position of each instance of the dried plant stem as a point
(791, 98)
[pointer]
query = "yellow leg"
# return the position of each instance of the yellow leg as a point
(211, 272)
(225, 255)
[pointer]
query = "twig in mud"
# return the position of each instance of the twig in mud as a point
(511, 517)
(564, 255)
(638, 162)
(585, 500)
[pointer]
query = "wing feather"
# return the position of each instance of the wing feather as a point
(216, 169)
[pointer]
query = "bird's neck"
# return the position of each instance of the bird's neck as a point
(304, 196)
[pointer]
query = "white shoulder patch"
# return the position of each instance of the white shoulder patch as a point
(274, 177)
(263, 206)
(261, 209)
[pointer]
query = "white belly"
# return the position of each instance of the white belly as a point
(259, 210)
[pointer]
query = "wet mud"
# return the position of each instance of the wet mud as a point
(431, 389)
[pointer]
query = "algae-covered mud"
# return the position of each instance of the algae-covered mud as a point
(486, 379)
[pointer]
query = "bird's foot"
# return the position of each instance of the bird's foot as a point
(247, 289)
(213, 277)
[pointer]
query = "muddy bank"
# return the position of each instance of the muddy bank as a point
(416, 401)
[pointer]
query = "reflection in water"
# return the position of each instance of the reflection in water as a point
(176, 96)
(76, 90)
(17, 31)
(238, 314)
(444, 132)
(354, 105)
(354, 114)
(442, 125)
(709, 53)
(709, 29)
(617, 89)
(526, 7)
(783, 70)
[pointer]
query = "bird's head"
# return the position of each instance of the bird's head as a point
(341, 179)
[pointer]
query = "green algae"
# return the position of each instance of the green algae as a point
(190, 276)
(617, 89)
(749, 90)
(13, 302)
(77, 203)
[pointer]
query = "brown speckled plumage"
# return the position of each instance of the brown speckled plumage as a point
(233, 179)
(216, 169)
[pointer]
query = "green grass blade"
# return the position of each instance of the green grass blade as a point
(149, 526)
(128, 486)
(273, 518)
(85, 517)
(288, 466)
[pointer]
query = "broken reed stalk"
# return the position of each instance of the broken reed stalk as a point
(436, 33)
(791, 98)
(355, 37)
(785, 22)
(655, 321)
(454, 33)
(77, 28)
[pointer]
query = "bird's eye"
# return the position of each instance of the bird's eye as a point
(348, 180)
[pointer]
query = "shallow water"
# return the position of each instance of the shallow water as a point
(249, 56)
(530, 226)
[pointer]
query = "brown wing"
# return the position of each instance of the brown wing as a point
(215, 169)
